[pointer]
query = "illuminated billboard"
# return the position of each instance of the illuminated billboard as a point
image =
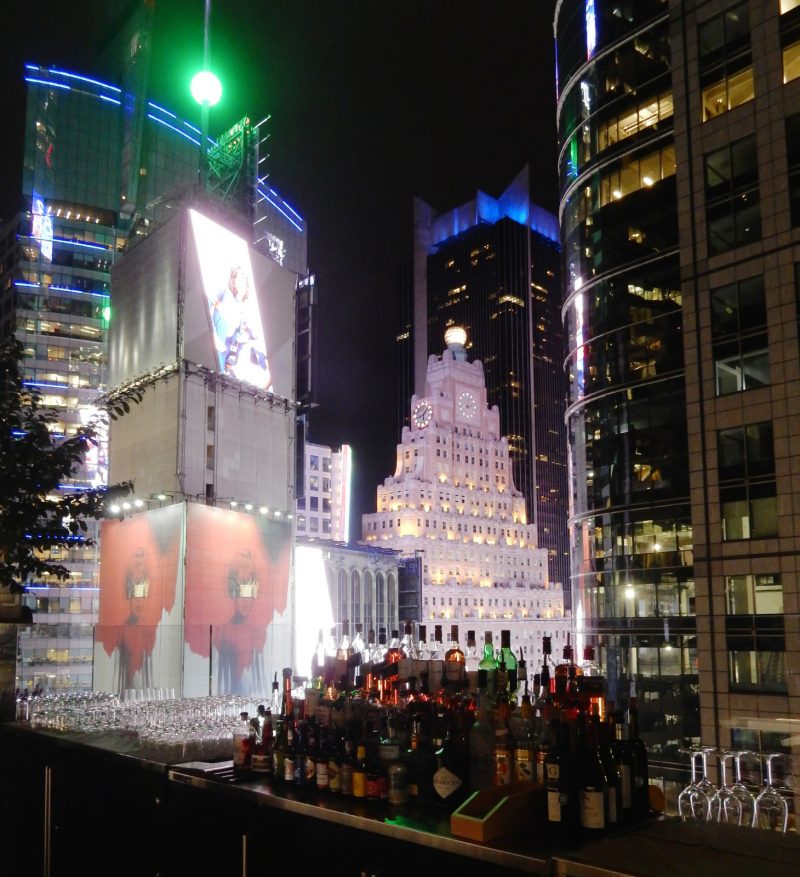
(42, 226)
(138, 633)
(237, 612)
(247, 306)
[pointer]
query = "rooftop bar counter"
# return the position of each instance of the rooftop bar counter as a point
(84, 804)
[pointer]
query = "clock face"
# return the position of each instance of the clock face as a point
(422, 413)
(467, 405)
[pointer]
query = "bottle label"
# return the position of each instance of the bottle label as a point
(346, 779)
(262, 763)
(593, 809)
(242, 750)
(398, 785)
(310, 770)
(502, 768)
(323, 780)
(359, 784)
(555, 800)
(625, 777)
(445, 782)
(333, 777)
(523, 765)
(288, 769)
(553, 773)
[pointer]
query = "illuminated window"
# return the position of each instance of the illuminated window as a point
(754, 595)
(727, 93)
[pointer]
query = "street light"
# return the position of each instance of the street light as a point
(206, 90)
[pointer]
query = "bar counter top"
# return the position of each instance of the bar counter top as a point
(201, 804)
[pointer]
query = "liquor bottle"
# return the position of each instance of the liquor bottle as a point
(262, 753)
(287, 704)
(421, 765)
(334, 761)
(318, 658)
(503, 740)
(275, 700)
(481, 747)
(347, 765)
(590, 667)
(593, 782)
(641, 781)
(360, 772)
(423, 652)
(289, 755)
(603, 732)
(562, 800)
(397, 782)
(394, 652)
(376, 779)
(451, 777)
(407, 644)
(436, 661)
(522, 672)
(304, 754)
(623, 758)
(562, 673)
(279, 751)
(379, 652)
(488, 663)
(454, 659)
(525, 743)
(322, 777)
(243, 742)
(343, 644)
(510, 660)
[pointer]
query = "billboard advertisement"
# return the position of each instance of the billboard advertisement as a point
(138, 633)
(237, 615)
(239, 309)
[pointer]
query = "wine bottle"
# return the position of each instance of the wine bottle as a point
(593, 782)
(454, 659)
(562, 800)
(641, 781)
(360, 772)
(481, 747)
(510, 660)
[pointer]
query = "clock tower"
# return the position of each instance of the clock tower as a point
(452, 500)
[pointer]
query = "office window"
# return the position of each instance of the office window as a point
(754, 595)
(726, 72)
(793, 163)
(739, 330)
(748, 494)
(733, 215)
(763, 671)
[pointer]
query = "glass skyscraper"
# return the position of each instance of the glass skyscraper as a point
(492, 266)
(678, 129)
(102, 165)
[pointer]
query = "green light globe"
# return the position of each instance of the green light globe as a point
(206, 88)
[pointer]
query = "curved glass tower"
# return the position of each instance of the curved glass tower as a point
(679, 127)
(630, 521)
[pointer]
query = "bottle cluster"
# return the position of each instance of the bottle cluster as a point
(377, 729)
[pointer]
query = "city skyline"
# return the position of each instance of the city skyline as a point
(368, 111)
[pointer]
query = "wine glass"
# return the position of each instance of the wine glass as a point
(741, 791)
(771, 809)
(693, 801)
(724, 805)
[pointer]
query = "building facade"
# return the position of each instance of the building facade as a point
(678, 126)
(77, 217)
(453, 502)
(323, 508)
(492, 266)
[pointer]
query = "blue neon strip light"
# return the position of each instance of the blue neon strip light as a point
(58, 72)
(192, 128)
(84, 486)
(18, 433)
(62, 289)
(287, 206)
(48, 83)
(111, 100)
(161, 110)
(81, 244)
(591, 28)
(279, 209)
(173, 128)
(43, 384)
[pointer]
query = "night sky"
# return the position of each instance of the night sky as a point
(372, 104)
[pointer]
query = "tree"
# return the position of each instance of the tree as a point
(33, 463)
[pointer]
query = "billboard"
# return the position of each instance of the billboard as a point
(239, 309)
(138, 633)
(237, 615)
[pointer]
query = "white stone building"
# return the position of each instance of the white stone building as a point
(452, 499)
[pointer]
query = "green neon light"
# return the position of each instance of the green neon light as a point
(206, 88)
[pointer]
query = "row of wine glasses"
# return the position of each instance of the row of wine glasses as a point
(734, 803)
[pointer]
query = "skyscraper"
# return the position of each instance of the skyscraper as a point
(678, 125)
(492, 266)
(453, 502)
(81, 205)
